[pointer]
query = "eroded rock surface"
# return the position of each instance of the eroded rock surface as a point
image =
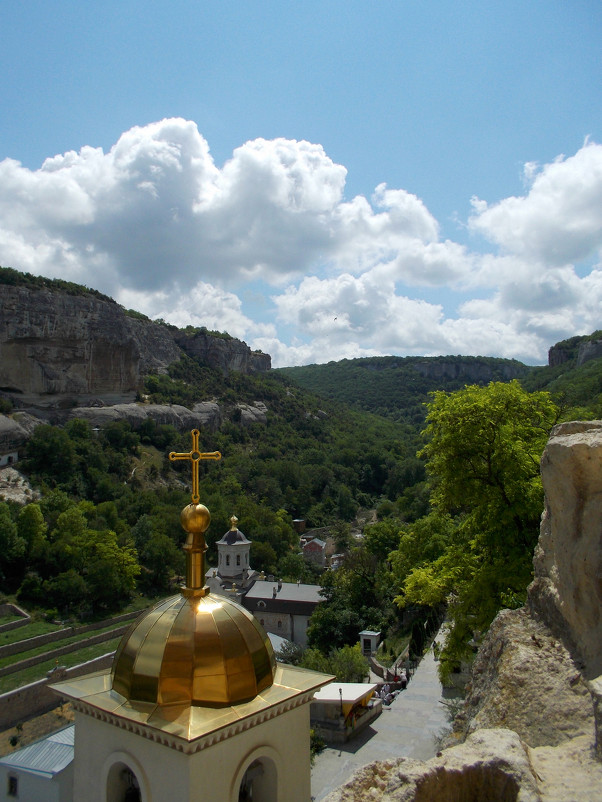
(58, 349)
(567, 590)
(203, 415)
(491, 765)
(524, 678)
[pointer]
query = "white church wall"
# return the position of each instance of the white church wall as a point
(300, 629)
(31, 788)
(213, 773)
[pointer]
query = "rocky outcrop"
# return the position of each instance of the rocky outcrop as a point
(204, 415)
(470, 369)
(491, 766)
(225, 354)
(58, 350)
(16, 487)
(524, 678)
(252, 413)
(12, 435)
(532, 669)
(567, 592)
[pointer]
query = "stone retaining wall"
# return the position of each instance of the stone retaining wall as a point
(60, 634)
(12, 609)
(53, 654)
(37, 698)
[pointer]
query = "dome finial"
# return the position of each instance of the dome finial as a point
(194, 456)
(234, 523)
(195, 519)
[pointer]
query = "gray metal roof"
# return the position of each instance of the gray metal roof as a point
(289, 591)
(44, 758)
(233, 537)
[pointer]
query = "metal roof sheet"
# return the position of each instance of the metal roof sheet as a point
(44, 758)
(289, 591)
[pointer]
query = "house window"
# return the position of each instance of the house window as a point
(261, 621)
(279, 624)
(13, 786)
(227, 559)
(238, 559)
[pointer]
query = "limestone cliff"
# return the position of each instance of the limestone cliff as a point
(580, 349)
(472, 370)
(59, 349)
(226, 354)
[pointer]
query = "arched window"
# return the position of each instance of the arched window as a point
(238, 559)
(279, 624)
(122, 785)
(260, 781)
(227, 559)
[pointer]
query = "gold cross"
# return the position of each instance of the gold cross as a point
(195, 456)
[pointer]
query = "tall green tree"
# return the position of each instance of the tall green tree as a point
(482, 456)
(12, 546)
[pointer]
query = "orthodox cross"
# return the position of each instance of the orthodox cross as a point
(195, 456)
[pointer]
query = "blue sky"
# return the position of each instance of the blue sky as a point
(323, 180)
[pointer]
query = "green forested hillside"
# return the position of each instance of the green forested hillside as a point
(338, 437)
(111, 500)
(576, 388)
(398, 387)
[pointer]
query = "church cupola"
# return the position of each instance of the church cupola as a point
(234, 552)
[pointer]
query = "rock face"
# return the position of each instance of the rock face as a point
(523, 678)
(56, 344)
(567, 590)
(473, 370)
(226, 354)
(580, 349)
(204, 415)
(58, 349)
(592, 349)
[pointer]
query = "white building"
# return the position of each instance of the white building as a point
(233, 554)
(40, 771)
(283, 608)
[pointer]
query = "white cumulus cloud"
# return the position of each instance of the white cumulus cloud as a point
(155, 223)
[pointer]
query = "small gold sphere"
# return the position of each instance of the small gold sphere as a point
(195, 518)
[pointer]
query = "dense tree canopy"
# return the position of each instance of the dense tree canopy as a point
(475, 550)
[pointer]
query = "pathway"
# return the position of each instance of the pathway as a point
(407, 728)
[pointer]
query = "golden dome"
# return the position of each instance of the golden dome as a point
(204, 650)
(194, 649)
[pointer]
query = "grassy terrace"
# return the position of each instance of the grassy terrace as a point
(30, 630)
(41, 627)
(34, 673)
(15, 658)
